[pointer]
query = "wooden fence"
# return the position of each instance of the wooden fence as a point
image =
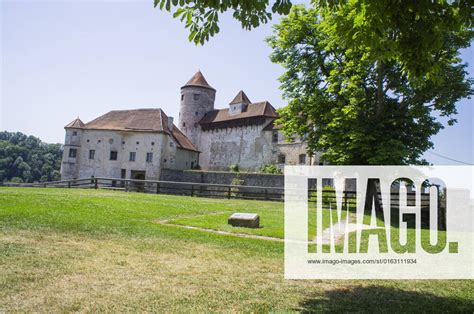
(206, 190)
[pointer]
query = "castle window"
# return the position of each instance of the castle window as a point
(74, 133)
(149, 157)
(72, 152)
(302, 159)
(184, 123)
(138, 143)
(91, 154)
(113, 155)
(281, 159)
(98, 141)
(182, 97)
(88, 141)
(132, 156)
(275, 137)
(197, 113)
(111, 141)
(196, 96)
(152, 143)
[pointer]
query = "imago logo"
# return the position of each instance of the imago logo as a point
(360, 222)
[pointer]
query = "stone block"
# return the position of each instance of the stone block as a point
(246, 220)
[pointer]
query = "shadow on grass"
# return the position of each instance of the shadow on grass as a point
(381, 299)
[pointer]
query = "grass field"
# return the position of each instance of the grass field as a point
(96, 250)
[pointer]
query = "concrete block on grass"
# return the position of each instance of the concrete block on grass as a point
(246, 220)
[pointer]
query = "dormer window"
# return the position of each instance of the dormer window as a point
(239, 104)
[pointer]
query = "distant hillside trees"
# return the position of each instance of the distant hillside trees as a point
(25, 158)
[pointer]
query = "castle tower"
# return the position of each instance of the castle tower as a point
(72, 150)
(197, 98)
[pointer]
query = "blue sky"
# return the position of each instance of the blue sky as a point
(63, 59)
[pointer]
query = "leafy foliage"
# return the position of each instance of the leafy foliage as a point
(202, 17)
(26, 159)
(234, 168)
(410, 32)
(271, 169)
(356, 109)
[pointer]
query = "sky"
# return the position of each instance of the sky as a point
(68, 59)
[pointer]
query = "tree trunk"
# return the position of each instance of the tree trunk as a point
(372, 197)
(380, 92)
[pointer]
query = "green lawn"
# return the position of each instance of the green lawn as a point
(96, 250)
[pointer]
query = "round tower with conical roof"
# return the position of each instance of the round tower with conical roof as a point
(197, 98)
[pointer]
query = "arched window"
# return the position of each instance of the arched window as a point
(302, 159)
(281, 158)
(275, 137)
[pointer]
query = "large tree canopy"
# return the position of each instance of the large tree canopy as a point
(410, 32)
(357, 109)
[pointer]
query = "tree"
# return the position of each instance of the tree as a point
(27, 159)
(410, 32)
(359, 110)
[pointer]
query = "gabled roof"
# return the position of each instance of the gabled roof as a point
(240, 98)
(198, 80)
(151, 120)
(260, 109)
(76, 124)
(140, 120)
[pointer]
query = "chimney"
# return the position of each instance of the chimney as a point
(170, 123)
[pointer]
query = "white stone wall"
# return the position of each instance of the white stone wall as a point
(103, 142)
(248, 146)
(178, 158)
(292, 152)
(164, 149)
(69, 166)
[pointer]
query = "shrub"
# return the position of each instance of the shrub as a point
(234, 168)
(272, 169)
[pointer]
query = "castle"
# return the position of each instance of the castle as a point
(138, 144)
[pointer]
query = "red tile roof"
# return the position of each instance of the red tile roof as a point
(182, 141)
(240, 98)
(198, 80)
(140, 120)
(76, 124)
(130, 120)
(260, 109)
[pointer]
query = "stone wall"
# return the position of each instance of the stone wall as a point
(248, 146)
(161, 145)
(225, 178)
